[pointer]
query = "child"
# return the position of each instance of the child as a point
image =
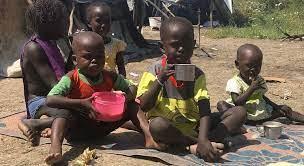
(248, 89)
(42, 65)
(99, 21)
(74, 92)
(179, 112)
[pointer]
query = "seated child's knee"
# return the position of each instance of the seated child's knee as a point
(159, 125)
(241, 111)
(221, 103)
(131, 108)
(64, 113)
(223, 106)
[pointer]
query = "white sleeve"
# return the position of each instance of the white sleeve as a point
(233, 86)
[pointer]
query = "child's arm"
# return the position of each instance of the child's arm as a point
(82, 105)
(131, 93)
(204, 147)
(148, 99)
(36, 55)
(124, 85)
(241, 99)
(121, 64)
(56, 98)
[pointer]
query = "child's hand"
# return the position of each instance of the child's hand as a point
(165, 73)
(205, 150)
(88, 107)
(257, 83)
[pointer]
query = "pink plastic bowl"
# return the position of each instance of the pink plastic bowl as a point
(109, 105)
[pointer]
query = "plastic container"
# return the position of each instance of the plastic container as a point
(155, 22)
(109, 105)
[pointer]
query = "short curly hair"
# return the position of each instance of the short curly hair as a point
(44, 12)
(95, 4)
(175, 21)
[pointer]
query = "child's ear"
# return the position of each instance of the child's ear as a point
(237, 64)
(74, 59)
(161, 46)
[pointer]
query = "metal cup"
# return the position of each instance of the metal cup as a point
(184, 72)
(272, 129)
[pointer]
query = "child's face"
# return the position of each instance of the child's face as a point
(249, 65)
(90, 60)
(100, 21)
(178, 45)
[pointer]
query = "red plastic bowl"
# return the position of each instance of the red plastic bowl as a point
(109, 105)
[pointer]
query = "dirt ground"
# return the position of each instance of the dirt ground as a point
(281, 59)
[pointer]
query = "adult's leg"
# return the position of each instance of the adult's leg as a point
(138, 118)
(230, 123)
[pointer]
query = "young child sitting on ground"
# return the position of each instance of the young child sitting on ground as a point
(179, 111)
(248, 89)
(42, 65)
(74, 92)
(99, 20)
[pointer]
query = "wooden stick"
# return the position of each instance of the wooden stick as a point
(71, 20)
(199, 26)
(157, 8)
(168, 10)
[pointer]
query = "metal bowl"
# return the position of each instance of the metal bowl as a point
(272, 129)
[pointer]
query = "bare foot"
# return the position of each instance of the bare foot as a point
(151, 144)
(192, 149)
(46, 133)
(218, 147)
(26, 126)
(54, 156)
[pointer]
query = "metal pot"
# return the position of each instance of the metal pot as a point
(272, 129)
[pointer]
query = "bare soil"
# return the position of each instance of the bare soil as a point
(281, 59)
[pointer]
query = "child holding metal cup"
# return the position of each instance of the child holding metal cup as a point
(177, 107)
